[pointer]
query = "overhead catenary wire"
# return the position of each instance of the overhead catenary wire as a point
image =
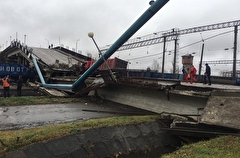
(188, 45)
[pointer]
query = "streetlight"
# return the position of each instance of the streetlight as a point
(91, 34)
(25, 37)
(76, 44)
(47, 41)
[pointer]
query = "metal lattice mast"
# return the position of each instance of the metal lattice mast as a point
(170, 35)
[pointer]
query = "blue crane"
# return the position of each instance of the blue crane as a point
(155, 6)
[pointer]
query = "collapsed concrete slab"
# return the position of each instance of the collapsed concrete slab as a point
(159, 97)
(222, 109)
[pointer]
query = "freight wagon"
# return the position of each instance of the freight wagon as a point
(14, 70)
(114, 63)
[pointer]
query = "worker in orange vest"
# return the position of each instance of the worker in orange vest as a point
(193, 72)
(6, 86)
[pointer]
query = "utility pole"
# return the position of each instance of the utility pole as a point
(175, 58)
(235, 52)
(163, 60)
(200, 63)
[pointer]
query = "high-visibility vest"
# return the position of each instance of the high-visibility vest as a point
(5, 82)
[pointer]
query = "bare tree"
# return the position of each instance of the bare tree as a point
(89, 55)
(155, 65)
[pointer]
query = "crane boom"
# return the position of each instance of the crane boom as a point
(155, 6)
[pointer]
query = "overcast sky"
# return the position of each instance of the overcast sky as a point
(64, 22)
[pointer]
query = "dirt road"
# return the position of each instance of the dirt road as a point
(16, 117)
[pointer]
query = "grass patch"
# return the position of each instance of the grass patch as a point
(224, 147)
(33, 100)
(15, 139)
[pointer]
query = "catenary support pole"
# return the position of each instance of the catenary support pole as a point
(235, 53)
(200, 63)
